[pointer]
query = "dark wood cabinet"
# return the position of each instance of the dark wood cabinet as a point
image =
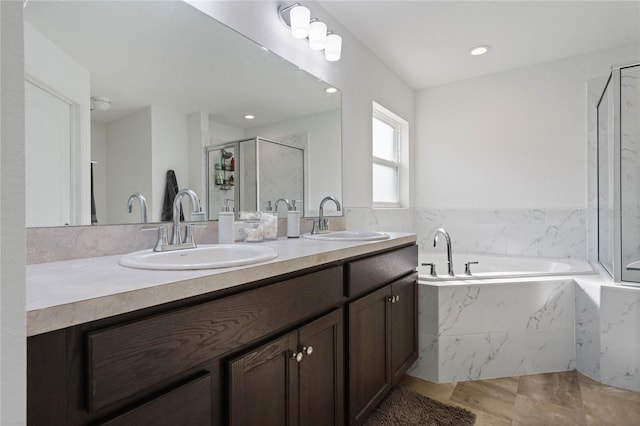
(382, 343)
(296, 379)
(273, 352)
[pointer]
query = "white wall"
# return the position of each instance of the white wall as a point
(514, 139)
(360, 75)
(324, 142)
(129, 164)
(13, 405)
(170, 151)
(503, 158)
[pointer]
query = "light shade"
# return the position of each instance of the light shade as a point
(333, 48)
(317, 35)
(300, 17)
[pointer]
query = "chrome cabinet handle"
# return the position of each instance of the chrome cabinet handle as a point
(394, 299)
(308, 350)
(298, 356)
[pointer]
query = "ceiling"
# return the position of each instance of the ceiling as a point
(427, 43)
(167, 53)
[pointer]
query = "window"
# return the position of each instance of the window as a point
(390, 158)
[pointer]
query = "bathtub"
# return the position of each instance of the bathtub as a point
(514, 316)
(499, 267)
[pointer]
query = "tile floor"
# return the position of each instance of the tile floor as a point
(566, 398)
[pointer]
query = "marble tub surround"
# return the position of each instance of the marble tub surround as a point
(56, 244)
(66, 293)
(513, 327)
(521, 232)
(485, 330)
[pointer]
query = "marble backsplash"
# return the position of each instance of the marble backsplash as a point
(521, 232)
(76, 242)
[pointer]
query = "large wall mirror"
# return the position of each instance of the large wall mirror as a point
(178, 82)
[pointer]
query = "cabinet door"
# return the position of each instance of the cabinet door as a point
(404, 325)
(263, 385)
(322, 371)
(369, 360)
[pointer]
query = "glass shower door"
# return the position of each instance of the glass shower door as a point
(630, 172)
(605, 180)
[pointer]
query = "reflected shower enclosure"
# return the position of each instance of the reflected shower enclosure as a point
(247, 174)
(618, 120)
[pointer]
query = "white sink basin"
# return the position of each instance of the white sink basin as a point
(203, 257)
(349, 236)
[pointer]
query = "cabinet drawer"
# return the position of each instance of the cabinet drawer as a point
(124, 360)
(189, 404)
(367, 274)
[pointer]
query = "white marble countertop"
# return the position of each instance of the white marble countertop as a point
(62, 294)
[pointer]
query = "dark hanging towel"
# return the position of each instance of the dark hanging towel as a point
(94, 216)
(169, 194)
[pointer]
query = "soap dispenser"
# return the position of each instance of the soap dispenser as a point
(225, 224)
(293, 221)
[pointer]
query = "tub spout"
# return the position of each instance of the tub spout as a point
(448, 241)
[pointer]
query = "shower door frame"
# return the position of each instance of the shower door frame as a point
(614, 84)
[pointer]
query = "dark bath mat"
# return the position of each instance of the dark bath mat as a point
(403, 407)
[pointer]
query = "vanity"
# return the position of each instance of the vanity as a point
(318, 335)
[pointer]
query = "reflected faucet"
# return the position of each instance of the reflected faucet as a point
(448, 240)
(283, 200)
(143, 205)
(176, 239)
(323, 224)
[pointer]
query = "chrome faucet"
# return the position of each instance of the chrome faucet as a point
(143, 205)
(176, 239)
(284, 200)
(448, 240)
(177, 242)
(322, 226)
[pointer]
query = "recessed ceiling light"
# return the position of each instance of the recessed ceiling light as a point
(480, 50)
(331, 90)
(249, 117)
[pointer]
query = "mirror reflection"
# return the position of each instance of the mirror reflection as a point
(120, 93)
(257, 174)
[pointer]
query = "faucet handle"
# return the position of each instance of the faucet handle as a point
(188, 234)
(467, 267)
(162, 236)
(432, 272)
(315, 226)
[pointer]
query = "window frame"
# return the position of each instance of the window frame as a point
(400, 136)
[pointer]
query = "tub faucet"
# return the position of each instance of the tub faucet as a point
(323, 224)
(143, 205)
(448, 240)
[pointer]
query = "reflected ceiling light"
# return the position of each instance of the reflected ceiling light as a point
(249, 117)
(479, 50)
(331, 90)
(298, 19)
(333, 48)
(317, 35)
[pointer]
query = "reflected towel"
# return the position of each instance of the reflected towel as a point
(94, 215)
(169, 194)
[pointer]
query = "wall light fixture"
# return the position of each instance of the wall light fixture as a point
(298, 19)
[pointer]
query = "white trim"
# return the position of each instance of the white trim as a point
(401, 134)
